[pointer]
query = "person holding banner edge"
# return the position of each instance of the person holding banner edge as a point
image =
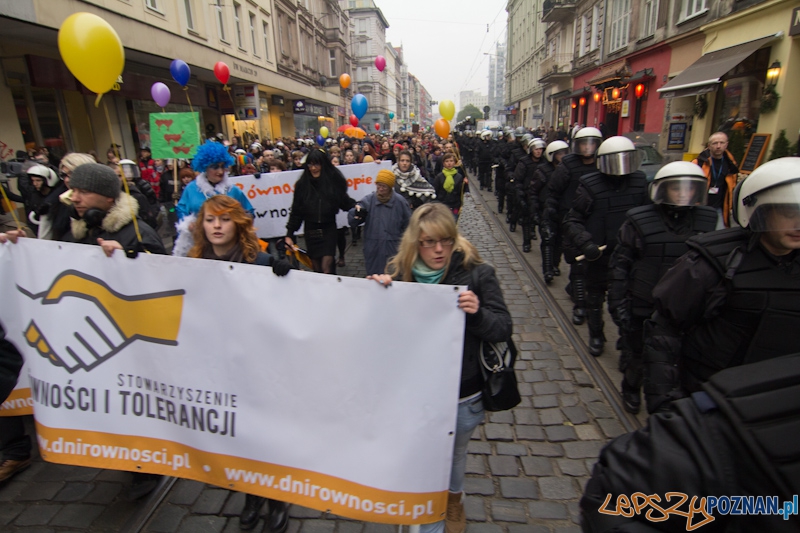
(226, 233)
(319, 194)
(433, 251)
(14, 444)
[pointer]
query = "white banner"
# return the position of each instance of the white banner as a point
(332, 393)
(271, 194)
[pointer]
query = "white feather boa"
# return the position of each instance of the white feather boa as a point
(185, 240)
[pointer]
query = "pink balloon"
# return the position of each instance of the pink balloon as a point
(380, 63)
(160, 94)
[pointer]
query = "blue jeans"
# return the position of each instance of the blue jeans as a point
(470, 415)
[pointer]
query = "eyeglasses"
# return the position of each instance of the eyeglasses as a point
(430, 243)
(218, 166)
(63, 175)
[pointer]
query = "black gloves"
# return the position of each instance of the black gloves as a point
(591, 251)
(361, 214)
(281, 267)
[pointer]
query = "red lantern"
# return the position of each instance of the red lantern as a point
(615, 93)
(574, 105)
(639, 90)
(597, 97)
(354, 121)
(582, 101)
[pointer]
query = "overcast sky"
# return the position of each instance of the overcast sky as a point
(444, 41)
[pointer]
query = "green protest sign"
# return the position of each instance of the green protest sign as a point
(174, 135)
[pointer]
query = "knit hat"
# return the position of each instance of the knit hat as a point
(398, 145)
(97, 178)
(386, 177)
(368, 159)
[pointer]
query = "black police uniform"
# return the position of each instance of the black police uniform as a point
(727, 302)
(652, 238)
(516, 154)
(598, 210)
(485, 158)
(502, 152)
(560, 193)
(551, 243)
(523, 181)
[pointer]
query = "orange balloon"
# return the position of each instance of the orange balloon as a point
(442, 128)
(344, 81)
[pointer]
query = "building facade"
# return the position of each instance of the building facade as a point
(475, 98)
(497, 75)
(276, 56)
(525, 51)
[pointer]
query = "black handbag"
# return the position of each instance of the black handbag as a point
(500, 391)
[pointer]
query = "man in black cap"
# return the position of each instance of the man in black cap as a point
(105, 215)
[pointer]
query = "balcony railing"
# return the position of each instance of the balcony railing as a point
(558, 10)
(555, 65)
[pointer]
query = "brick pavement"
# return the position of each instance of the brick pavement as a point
(525, 471)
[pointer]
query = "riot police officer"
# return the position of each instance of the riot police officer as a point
(523, 181)
(652, 238)
(560, 192)
(734, 298)
(550, 232)
(516, 154)
(598, 210)
(485, 158)
(503, 153)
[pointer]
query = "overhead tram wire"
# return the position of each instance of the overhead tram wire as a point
(480, 48)
(472, 74)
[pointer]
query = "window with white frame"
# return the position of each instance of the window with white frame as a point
(237, 22)
(265, 28)
(649, 17)
(362, 26)
(152, 4)
(595, 27)
(332, 55)
(620, 24)
(253, 41)
(582, 41)
(693, 7)
(220, 20)
(187, 4)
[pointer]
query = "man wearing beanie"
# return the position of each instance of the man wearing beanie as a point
(104, 214)
(385, 215)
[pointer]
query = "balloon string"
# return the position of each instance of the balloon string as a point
(97, 100)
(11, 206)
(119, 171)
(197, 121)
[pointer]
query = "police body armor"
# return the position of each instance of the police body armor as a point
(547, 169)
(661, 248)
(613, 197)
(761, 311)
(577, 169)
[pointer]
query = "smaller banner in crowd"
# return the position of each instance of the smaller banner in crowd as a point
(174, 135)
(332, 393)
(271, 194)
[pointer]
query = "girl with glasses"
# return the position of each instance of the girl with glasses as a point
(212, 162)
(432, 251)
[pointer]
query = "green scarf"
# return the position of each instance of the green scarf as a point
(425, 274)
(449, 183)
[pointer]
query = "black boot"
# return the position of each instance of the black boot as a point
(249, 516)
(556, 271)
(579, 297)
(533, 232)
(547, 263)
(596, 337)
(526, 237)
(512, 227)
(278, 516)
(631, 399)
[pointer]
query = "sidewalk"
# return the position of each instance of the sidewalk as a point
(525, 471)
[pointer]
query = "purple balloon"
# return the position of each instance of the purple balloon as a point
(160, 94)
(180, 71)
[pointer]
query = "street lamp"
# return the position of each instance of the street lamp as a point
(773, 73)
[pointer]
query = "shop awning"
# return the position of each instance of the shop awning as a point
(641, 75)
(578, 92)
(560, 94)
(703, 75)
(611, 72)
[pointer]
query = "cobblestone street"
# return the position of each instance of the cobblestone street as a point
(525, 471)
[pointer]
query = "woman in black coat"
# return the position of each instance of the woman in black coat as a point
(432, 251)
(319, 194)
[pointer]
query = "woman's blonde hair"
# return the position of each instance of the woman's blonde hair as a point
(245, 232)
(436, 220)
(73, 160)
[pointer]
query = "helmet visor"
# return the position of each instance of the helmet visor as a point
(777, 209)
(679, 191)
(619, 164)
(130, 171)
(585, 147)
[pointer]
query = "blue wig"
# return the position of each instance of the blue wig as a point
(210, 153)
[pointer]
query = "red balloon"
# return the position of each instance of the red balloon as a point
(377, 125)
(354, 121)
(222, 72)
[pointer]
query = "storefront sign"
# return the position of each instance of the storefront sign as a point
(299, 106)
(245, 101)
(794, 27)
(244, 69)
(677, 118)
(755, 152)
(277, 99)
(677, 136)
(169, 378)
(625, 109)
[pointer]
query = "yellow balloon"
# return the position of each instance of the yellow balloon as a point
(92, 51)
(447, 109)
(324, 132)
(411, 115)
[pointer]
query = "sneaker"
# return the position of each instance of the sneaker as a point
(10, 467)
